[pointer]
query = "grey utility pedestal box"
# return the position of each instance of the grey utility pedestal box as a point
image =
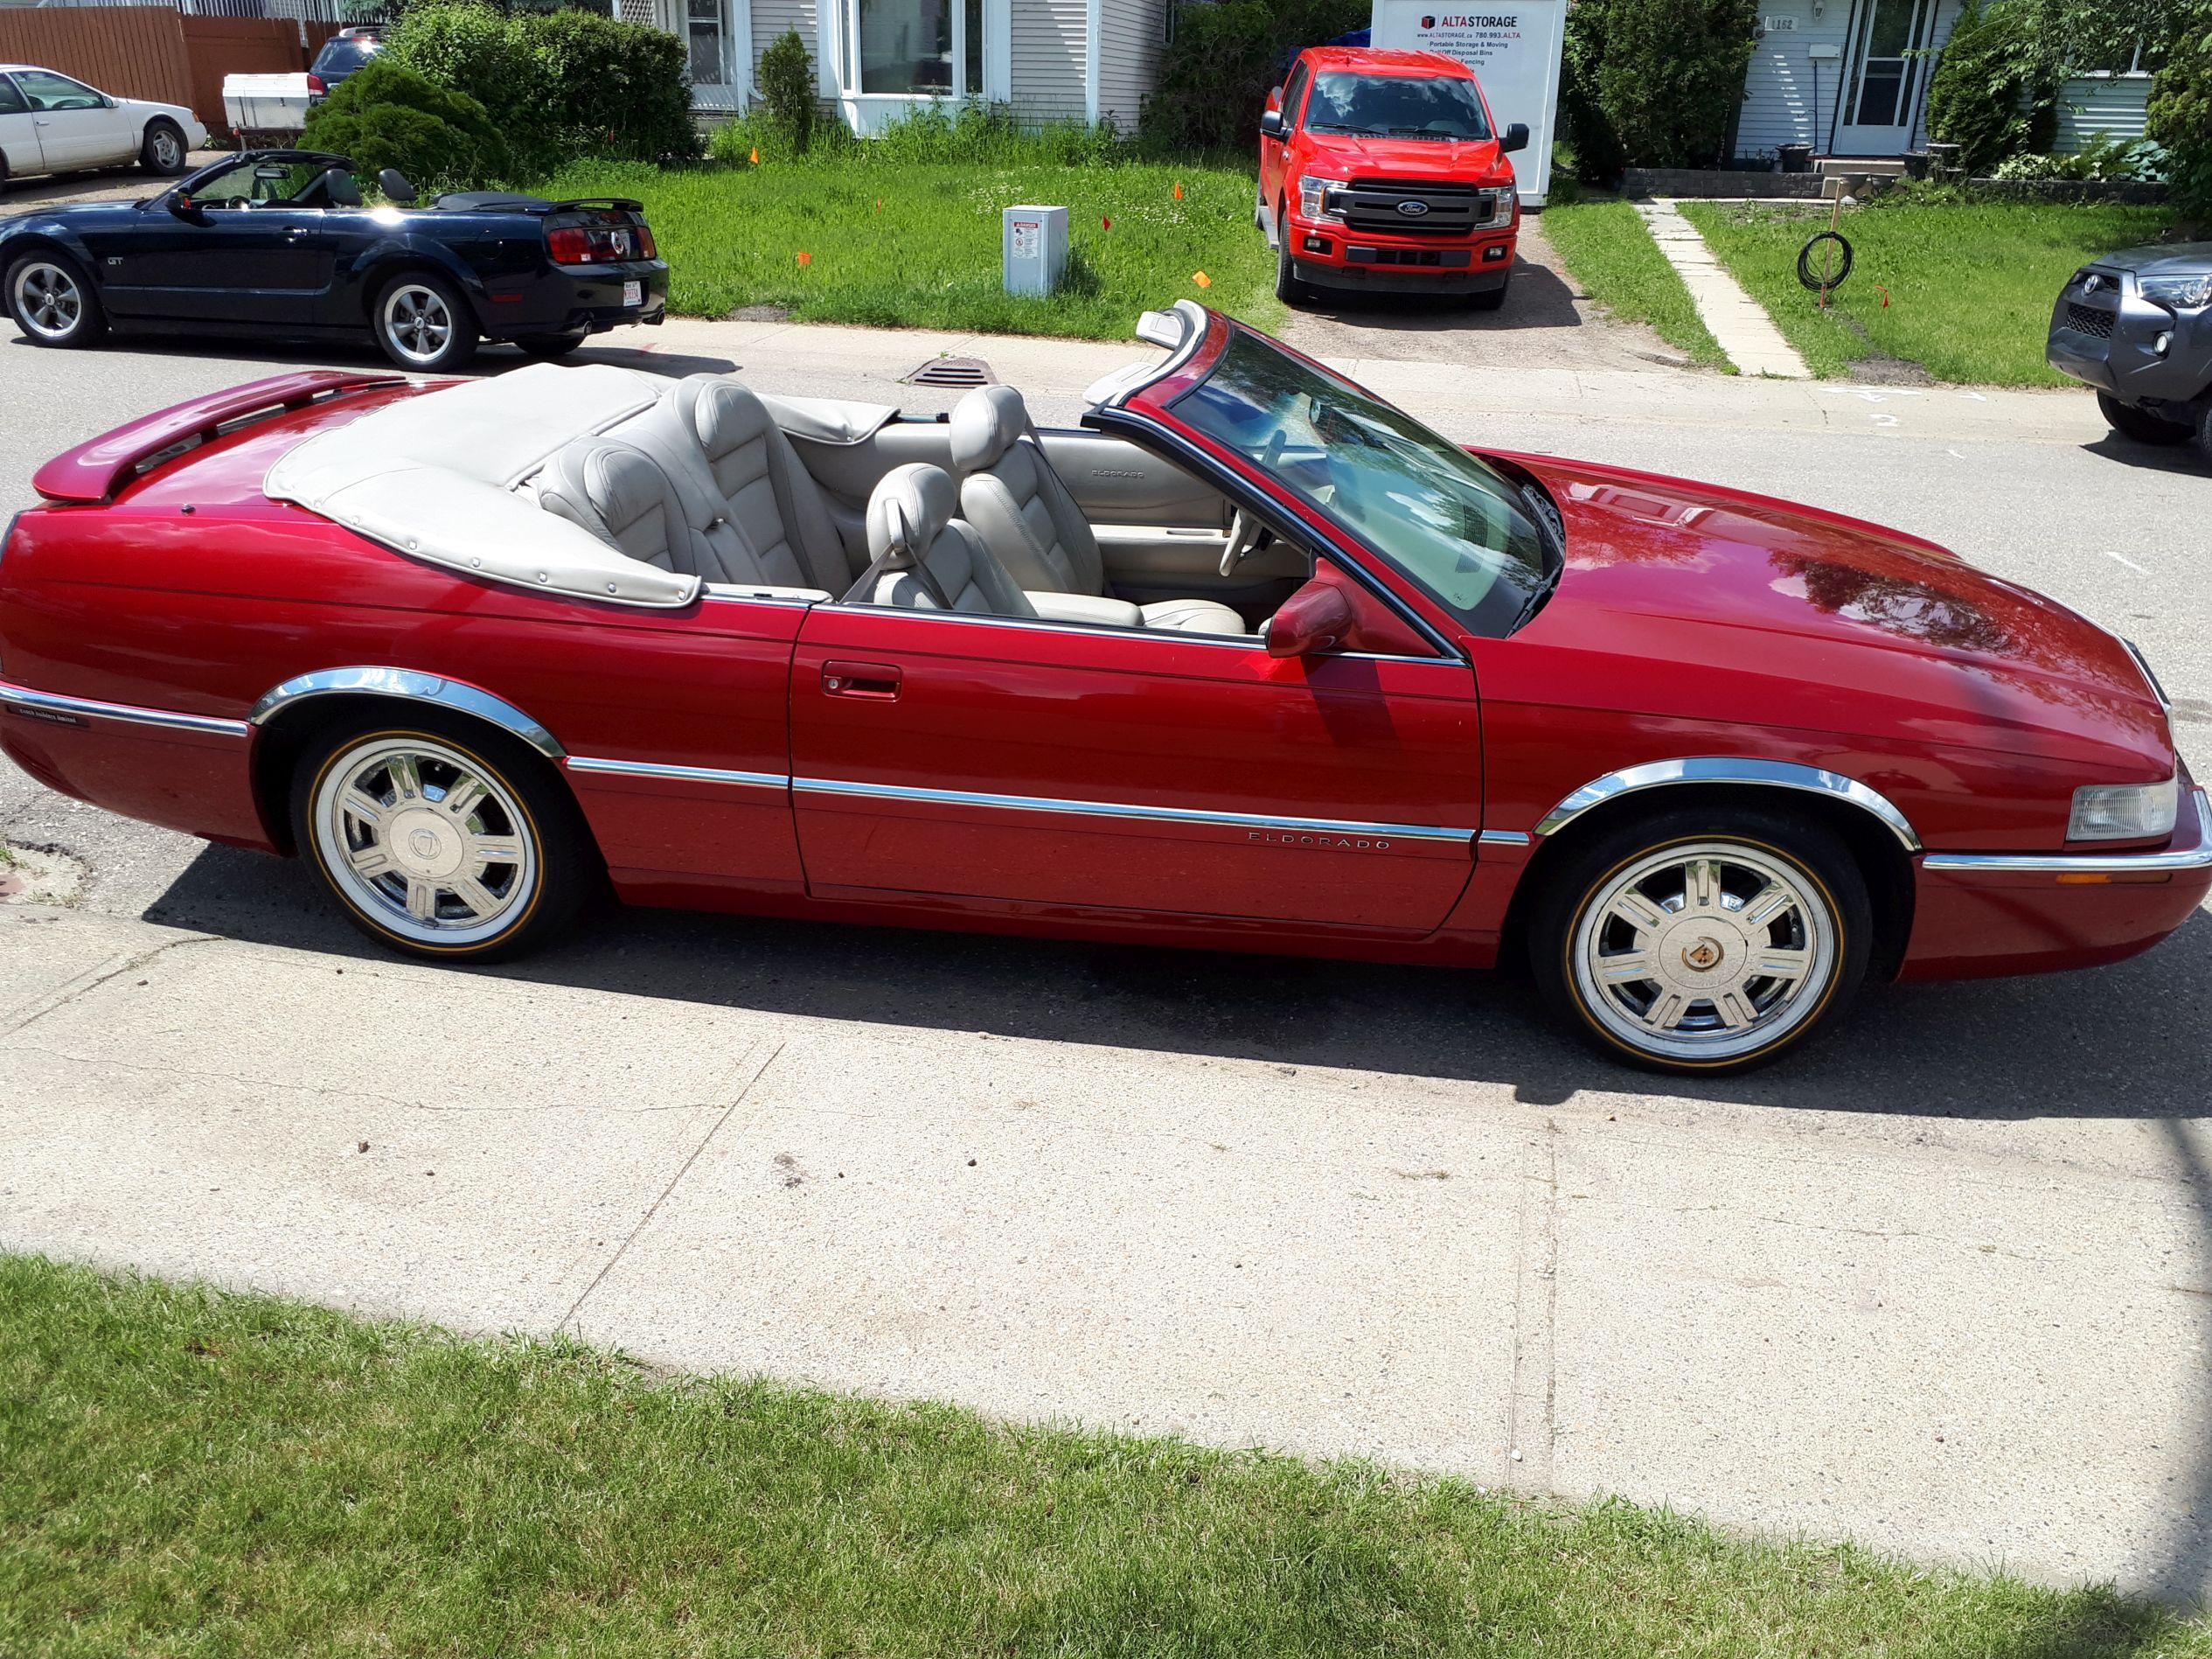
(1033, 244)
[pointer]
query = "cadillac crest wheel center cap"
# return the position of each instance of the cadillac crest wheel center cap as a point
(427, 843)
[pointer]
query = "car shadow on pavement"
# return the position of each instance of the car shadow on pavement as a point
(260, 355)
(1537, 298)
(2129, 1041)
(2153, 457)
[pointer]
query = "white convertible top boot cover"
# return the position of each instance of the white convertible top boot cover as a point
(434, 477)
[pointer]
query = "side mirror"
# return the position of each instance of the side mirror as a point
(394, 184)
(1516, 137)
(184, 207)
(1313, 620)
(1271, 124)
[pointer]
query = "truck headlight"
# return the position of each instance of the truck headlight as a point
(2185, 293)
(1497, 203)
(1313, 191)
(2124, 812)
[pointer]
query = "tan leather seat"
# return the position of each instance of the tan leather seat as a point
(913, 521)
(755, 513)
(1032, 526)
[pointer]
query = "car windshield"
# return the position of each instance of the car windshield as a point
(1463, 530)
(1396, 105)
(343, 57)
(262, 184)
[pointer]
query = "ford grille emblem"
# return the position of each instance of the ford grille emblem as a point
(1413, 210)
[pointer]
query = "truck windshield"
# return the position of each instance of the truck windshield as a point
(1450, 521)
(1395, 106)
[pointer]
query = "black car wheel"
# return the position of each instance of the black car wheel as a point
(163, 150)
(2204, 431)
(422, 323)
(2140, 424)
(1288, 289)
(52, 302)
(547, 347)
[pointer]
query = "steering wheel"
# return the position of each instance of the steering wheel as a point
(1245, 531)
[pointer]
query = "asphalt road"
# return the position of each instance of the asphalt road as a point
(1944, 1283)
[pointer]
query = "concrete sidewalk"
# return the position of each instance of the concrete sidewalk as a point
(1975, 1332)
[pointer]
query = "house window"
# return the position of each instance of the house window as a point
(705, 19)
(902, 46)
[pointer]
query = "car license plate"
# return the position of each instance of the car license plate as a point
(633, 293)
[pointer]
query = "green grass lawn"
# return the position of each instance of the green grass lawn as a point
(1969, 285)
(1620, 267)
(187, 1472)
(917, 245)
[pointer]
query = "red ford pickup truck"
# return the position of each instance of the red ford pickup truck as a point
(1384, 171)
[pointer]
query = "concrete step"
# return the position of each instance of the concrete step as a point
(1860, 166)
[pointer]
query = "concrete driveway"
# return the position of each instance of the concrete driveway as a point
(1943, 1285)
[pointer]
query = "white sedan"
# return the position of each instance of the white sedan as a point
(49, 123)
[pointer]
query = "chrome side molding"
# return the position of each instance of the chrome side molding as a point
(1719, 768)
(593, 764)
(2196, 858)
(53, 706)
(408, 686)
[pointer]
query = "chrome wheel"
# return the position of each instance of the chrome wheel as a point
(418, 324)
(426, 840)
(1705, 951)
(168, 150)
(48, 301)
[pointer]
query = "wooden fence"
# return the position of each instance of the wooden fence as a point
(157, 52)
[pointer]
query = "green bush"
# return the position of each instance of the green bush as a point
(965, 134)
(2107, 158)
(787, 89)
(560, 85)
(2181, 112)
(1214, 82)
(387, 115)
(1985, 98)
(1669, 76)
(1598, 156)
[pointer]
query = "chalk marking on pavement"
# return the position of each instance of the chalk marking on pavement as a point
(2121, 558)
(568, 1319)
(1530, 1405)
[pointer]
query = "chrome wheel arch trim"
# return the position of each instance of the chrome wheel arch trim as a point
(1721, 768)
(407, 685)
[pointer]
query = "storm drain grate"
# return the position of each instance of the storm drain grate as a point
(953, 371)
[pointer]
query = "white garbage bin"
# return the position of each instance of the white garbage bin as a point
(1034, 245)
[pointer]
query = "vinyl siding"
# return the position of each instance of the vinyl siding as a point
(1129, 57)
(2097, 107)
(1047, 59)
(772, 17)
(1790, 99)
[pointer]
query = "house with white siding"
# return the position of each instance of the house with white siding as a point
(1850, 78)
(876, 60)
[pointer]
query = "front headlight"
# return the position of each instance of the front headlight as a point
(1314, 190)
(1497, 203)
(2124, 812)
(2185, 293)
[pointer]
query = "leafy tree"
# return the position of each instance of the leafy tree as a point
(1669, 74)
(1214, 81)
(788, 88)
(385, 114)
(1990, 96)
(1598, 156)
(2181, 112)
(478, 53)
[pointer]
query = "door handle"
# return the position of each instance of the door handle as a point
(870, 681)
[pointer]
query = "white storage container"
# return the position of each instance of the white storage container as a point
(268, 103)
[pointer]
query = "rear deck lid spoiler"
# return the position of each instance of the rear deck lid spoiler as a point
(94, 470)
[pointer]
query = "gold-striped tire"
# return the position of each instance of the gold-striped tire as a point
(1702, 941)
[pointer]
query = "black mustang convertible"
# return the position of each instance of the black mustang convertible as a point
(279, 243)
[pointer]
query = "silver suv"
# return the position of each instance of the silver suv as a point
(2136, 325)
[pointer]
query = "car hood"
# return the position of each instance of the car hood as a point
(1458, 160)
(2174, 259)
(1827, 622)
(82, 215)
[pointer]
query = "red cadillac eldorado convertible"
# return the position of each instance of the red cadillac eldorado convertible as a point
(1252, 660)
